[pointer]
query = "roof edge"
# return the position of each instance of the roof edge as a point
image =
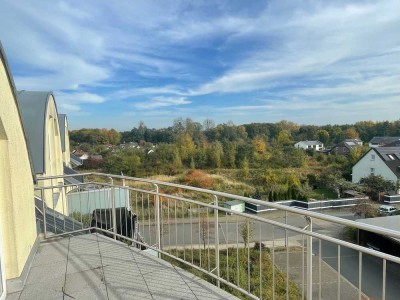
(14, 92)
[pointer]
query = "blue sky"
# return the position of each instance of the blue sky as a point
(114, 63)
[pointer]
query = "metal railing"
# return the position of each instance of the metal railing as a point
(283, 254)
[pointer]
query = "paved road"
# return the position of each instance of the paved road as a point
(182, 232)
(371, 271)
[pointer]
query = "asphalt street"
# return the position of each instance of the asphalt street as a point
(372, 270)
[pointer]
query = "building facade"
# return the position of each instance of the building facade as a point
(17, 211)
(316, 145)
(383, 161)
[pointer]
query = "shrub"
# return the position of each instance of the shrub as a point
(199, 179)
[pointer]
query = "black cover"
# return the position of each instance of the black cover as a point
(125, 219)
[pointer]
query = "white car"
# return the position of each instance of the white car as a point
(387, 210)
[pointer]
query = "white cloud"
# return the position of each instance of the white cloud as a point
(65, 107)
(161, 101)
(73, 101)
(83, 97)
(339, 41)
(134, 92)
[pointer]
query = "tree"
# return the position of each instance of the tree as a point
(204, 228)
(230, 154)
(245, 167)
(351, 133)
(186, 146)
(334, 181)
(247, 232)
(375, 185)
(178, 126)
(260, 146)
(216, 155)
(114, 137)
(142, 129)
(284, 137)
(364, 209)
(323, 136)
(208, 124)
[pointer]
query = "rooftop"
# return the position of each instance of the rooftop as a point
(311, 142)
(382, 140)
(93, 266)
(388, 222)
(391, 157)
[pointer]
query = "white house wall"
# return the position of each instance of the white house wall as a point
(363, 168)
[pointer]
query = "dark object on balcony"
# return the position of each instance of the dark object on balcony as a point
(125, 221)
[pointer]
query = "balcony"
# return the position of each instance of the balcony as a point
(119, 237)
(92, 266)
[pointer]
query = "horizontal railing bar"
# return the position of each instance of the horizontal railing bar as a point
(63, 176)
(316, 215)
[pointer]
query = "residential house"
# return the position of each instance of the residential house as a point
(316, 145)
(82, 155)
(384, 161)
(40, 119)
(395, 143)
(379, 141)
(346, 146)
(93, 162)
(18, 239)
(130, 145)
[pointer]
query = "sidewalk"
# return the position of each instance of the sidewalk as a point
(329, 277)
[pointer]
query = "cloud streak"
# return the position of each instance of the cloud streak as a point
(161, 102)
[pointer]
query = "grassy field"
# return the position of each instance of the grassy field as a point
(240, 275)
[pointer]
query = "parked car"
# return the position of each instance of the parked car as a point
(387, 210)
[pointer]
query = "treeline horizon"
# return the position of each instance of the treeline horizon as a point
(259, 154)
(282, 131)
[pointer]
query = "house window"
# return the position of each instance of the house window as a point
(372, 156)
(372, 171)
(391, 157)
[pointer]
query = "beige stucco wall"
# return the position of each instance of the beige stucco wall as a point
(17, 211)
(53, 163)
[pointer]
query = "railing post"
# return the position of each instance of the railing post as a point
(113, 213)
(309, 261)
(44, 214)
(216, 220)
(158, 224)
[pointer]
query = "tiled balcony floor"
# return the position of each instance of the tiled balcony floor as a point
(92, 266)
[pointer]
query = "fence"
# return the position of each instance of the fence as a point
(314, 205)
(237, 251)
